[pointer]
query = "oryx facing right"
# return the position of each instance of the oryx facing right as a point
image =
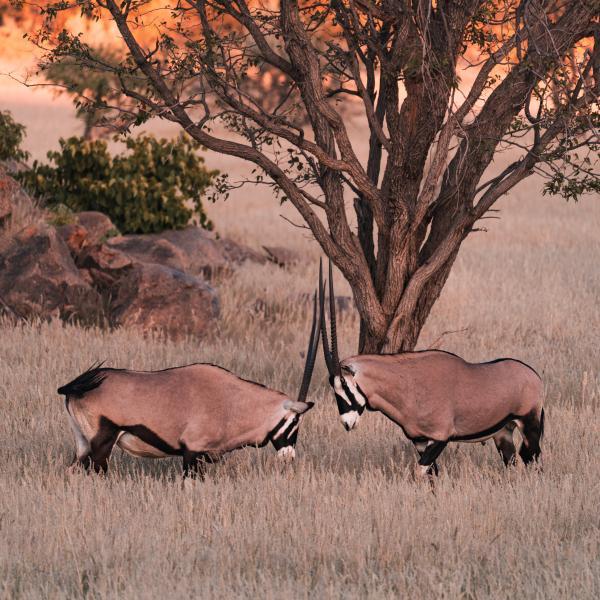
(198, 412)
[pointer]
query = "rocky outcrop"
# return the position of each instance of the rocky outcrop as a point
(104, 266)
(236, 253)
(86, 270)
(152, 297)
(282, 257)
(39, 278)
(12, 197)
(151, 249)
(5, 206)
(98, 226)
(74, 236)
(191, 250)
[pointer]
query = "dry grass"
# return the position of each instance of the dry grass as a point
(346, 520)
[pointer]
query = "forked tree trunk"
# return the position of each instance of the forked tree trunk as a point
(404, 328)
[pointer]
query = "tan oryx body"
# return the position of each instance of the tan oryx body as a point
(437, 397)
(198, 412)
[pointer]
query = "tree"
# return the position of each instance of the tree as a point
(95, 91)
(535, 68)
(11, 138)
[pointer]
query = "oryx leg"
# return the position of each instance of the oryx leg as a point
(532, 428)
(505, 443)
(421, 447)
(429, 456)
(82, 444)
(93, 448)
(194, 463)
(101, 446)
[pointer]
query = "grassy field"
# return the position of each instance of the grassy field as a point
(346, 520)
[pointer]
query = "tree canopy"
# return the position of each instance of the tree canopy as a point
(442, 86)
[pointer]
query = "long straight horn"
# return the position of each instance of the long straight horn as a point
(311, 353)
(334, 346)
(324, 338)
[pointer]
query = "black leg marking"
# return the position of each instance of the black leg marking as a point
(420, 448)
(101, 447)
(506, 445)
(532, 429)
(430, 455)
(193, 464)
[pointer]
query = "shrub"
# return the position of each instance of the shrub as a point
(145, 190)
(11, 137)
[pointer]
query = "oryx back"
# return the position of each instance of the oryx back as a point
(438, 395)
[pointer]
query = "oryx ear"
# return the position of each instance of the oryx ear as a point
(298, 407)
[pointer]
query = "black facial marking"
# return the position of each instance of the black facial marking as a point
(285, 437)
(357, 406)
(343, 406)
(367, 406)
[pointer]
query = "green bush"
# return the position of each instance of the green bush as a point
(11, 137)
(144, 190)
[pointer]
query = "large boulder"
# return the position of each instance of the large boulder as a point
(98, 226)
(150, 248)
(192, 250)
(151, 297)
(12, 198)
(104, 266)
(39, 278)
(74, 236)
(236, 253)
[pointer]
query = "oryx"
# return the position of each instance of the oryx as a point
(437, 397)
(198, 412)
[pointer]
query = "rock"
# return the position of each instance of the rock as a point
(203, 252)
(74, 236)
(239, 253)
(104, 266)
(151, 248)
(153, 297)
(39, 278)
(99, 227)
(11, 195)
(282, 257)
(192, 250)
(5, 206)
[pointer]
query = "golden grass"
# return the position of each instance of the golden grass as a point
(346, 520)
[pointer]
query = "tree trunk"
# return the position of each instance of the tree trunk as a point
(404, 328)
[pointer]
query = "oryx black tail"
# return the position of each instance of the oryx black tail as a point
(86, 382)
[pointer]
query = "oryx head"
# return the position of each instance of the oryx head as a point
(350, 400)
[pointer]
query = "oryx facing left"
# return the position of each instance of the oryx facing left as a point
(198, 412)
(437, 397)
